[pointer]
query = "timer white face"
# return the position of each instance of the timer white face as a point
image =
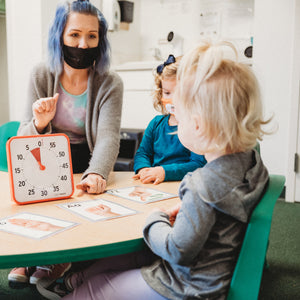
(40, 168)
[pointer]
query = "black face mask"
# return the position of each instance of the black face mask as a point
(79, 58)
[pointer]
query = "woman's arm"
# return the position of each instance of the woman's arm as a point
(103, 124)
(41, 85)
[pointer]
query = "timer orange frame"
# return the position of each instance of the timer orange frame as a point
(9, 165)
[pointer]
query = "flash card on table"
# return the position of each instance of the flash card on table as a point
(141, 194)
(99, 209)
(34, 226)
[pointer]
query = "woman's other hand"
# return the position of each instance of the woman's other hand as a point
(92, 184)
(44, 111)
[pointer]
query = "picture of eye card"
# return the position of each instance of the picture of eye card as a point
(141, 194)
(33, 225)
(99, 209)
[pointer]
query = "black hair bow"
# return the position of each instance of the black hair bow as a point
(171, 59)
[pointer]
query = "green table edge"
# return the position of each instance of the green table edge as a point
(71, 255)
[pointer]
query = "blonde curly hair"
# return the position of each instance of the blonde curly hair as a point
(169, 73)
(224, 95)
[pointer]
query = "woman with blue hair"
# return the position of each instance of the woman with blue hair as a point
(76, 94)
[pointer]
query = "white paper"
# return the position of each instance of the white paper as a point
(34, 226)
(141, 194)
(99, 209)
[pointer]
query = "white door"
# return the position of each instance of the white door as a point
(297, 155)
(297, 164)
(293, 175)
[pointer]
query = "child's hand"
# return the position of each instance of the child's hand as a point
(92, 184)
(44, 110)
(137, 176)
(140, 173)
(172, 212)
(149, 175)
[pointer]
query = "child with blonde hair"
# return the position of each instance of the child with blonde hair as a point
(197, 242)
(161, 156)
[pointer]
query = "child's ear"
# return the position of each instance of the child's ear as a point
(197, 125)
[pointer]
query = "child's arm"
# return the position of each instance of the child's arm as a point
(182, 242)
(171, 172)
(177, 171)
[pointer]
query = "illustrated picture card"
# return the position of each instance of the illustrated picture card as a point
(98, 209)
(34, 226)
(141, 194)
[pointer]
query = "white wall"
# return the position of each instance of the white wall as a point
(126, 45)
(4, 117)
(47, 10)
(273, 64)
(27, 30)
(194, 20)
(153, 20)
(24, 49)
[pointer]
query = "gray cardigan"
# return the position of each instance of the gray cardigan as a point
(198, 254)
(103, 117)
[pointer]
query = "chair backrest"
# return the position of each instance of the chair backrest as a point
(245, 283)
(130, 140)
(257, 147)
(7, 130)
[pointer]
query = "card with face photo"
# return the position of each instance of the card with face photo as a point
(98, 209)
(141, 194)
(34, 226)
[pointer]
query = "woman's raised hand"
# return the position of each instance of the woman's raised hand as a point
(44, 110)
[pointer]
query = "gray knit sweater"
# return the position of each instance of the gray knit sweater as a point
(103, 117)
(199, 252)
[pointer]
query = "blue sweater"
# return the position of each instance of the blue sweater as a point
(161, 147)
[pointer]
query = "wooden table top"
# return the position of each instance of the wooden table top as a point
(87, 240)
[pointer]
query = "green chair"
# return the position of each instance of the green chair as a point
(245, 283)
(257, 147)
(7, 130)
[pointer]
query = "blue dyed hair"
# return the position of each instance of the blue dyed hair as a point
(55, 40)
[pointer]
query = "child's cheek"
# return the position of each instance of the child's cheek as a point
(180, 134)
